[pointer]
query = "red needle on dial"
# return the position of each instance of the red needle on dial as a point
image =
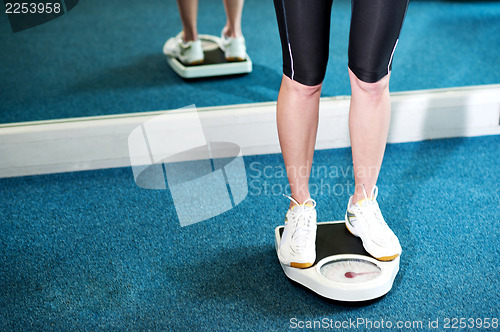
(354, 274)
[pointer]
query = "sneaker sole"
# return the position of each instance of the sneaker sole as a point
(235, 59)
(387, 258)
(195, 63)
(301, 265)
(295, 264)
(383, 258)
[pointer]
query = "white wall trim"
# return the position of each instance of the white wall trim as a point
(75, 144)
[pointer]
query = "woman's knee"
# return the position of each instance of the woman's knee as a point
(374, 89)
(300, 89)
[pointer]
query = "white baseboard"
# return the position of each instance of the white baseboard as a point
(66, 145)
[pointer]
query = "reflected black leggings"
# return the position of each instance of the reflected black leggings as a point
(304, 27)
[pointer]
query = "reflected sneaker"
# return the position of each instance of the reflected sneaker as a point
(234, 47)
(189, 53)
(298, 241)
(365, 221)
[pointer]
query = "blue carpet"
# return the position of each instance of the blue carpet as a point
(91, 250)
(104, 57)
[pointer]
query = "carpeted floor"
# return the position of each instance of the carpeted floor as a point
(92, 251)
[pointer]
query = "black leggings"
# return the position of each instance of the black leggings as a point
(304, 27)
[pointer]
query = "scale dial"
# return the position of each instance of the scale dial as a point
(350, 270)
(344, 271)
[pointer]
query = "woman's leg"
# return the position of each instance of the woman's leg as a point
(304, 31)
(375, 28)
(234, 9)
(369, 118)
(305, 34)
(188, 10)
(297, 120)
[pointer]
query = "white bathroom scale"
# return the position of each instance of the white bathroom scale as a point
(215, 63)
(343, 270)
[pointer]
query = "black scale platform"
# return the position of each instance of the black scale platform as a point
(214, 56)
(335, 239)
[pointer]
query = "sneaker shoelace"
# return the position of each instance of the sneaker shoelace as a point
(303, 221)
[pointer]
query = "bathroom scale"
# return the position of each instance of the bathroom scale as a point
(215, 63)
(343, 270)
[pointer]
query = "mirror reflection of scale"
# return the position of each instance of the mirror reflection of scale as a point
(215, 63)
(343, 270)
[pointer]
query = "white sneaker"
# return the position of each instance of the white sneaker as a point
(298, 241)
(365, 221)
(234, 47)
(189, 53)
